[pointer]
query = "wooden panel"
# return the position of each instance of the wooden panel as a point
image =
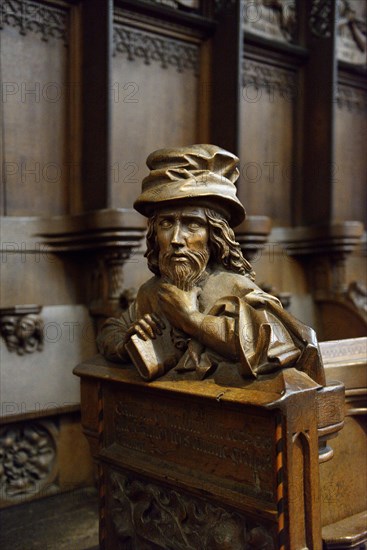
(343, 489)
(154, 105)
(34, 102)
(266, 141)
(350, 178)
(96, 106)
(316, 132)
(55, 458)
(226, 77)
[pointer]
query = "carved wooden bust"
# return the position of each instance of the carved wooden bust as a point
(202, 313)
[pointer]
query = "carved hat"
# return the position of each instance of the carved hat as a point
(203, 173)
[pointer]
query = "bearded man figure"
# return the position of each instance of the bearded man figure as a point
(202, 314)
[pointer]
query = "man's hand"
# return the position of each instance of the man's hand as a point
(147, 327)
(178, 305)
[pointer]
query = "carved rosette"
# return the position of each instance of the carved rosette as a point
(146, 515)
(27, 16)
(27, 460)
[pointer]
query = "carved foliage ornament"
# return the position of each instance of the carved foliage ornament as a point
(146, 515)
(151, 48)
(321, 23)
(352, 99)
(22, 333)
(46, 21)
(271, 79)
(27, 458)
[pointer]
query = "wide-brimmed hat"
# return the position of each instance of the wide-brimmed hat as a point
(201, 173)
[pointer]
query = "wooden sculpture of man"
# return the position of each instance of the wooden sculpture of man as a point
(201, 311)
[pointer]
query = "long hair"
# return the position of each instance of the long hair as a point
(224, 249)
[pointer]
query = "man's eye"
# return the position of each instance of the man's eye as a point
(165, 224)
(194, 226)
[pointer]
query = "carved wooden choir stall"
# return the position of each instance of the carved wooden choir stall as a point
(203, 465)
(89, 89)
(223, 450)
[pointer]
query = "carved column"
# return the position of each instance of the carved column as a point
(316, 129)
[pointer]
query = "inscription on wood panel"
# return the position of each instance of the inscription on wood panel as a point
(237, 445)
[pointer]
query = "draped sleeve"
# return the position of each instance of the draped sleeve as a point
(111, 337)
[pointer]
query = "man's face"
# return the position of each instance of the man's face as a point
(182, 236)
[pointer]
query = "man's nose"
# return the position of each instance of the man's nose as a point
(177, 236)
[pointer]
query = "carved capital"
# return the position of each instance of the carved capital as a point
(22, 328)
(253, 234)
(283, 297)
(325, 248)
(105, 239)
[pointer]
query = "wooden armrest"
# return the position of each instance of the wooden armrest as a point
(349, 532)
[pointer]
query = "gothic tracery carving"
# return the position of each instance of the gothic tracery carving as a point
(271, 79)
(136, 44)
(351, 98)
(27, 16)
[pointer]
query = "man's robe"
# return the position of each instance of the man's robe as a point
(267, 338)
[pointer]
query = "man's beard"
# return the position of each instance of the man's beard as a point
(185, 273)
